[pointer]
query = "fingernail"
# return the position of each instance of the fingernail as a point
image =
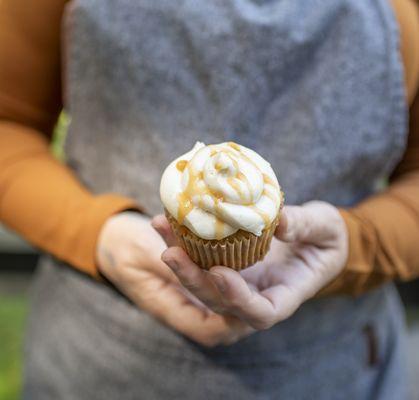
(173, 265)
(155, 225)
(218, 281)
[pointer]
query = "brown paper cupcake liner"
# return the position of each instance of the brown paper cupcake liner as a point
(237, 251)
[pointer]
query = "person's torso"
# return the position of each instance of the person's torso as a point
(314, 87)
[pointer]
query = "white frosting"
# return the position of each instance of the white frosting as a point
(218, 189)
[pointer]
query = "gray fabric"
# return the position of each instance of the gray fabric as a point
(316, 88)
(86, 342)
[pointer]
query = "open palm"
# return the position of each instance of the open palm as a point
(128, 255)
(310, 251)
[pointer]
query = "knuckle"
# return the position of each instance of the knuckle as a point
(191, 285)
(214, 306)
(218, 309)
(228, 340)
(262, 325)
(208, 341)
(234, 303)
(289, 311)
(316, 203)
(307, 227)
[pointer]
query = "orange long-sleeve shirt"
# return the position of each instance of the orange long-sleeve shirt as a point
(39, 197)
(42, 200)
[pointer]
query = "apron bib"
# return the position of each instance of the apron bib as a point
(317, 89)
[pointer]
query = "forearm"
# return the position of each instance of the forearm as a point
(383, 230)
(39, 197)
(43, 201)
(383, 237)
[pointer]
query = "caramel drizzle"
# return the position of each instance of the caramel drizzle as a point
(243, 178)
(219, 224)
(269, 195)
(262, 214)
(194, 189)
(266, 178)
(185, 207)
(181, 165)
(235, 146)
(232, 181)
(269, 181)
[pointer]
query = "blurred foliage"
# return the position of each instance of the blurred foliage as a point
(13, 312)
(60, 133)
(13, 309)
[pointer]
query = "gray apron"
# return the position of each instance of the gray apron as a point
(314, 87)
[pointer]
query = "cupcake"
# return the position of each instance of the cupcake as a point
(223, 202)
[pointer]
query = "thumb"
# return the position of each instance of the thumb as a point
(162, 226)
(312, 222)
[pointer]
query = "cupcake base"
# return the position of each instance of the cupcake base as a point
(237, 251)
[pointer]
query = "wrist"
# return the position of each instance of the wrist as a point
(122, 206)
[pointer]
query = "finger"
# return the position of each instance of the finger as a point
(284, 299)
(320, 272)
(313, 222)
(293, 224)
(282, 227)
(162, 226)
(168, 304)
(242, 300)
(192, 277)
(296, 282)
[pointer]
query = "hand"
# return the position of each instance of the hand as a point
(312, 250)
(128, 254)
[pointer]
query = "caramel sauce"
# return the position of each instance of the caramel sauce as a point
(270, 195)
(241, 176)
(185, 207)
(219, 224)
(236, 186)
(193, 188)
(234, 146)
(218, 196)
(181, 165)
(244, 179)
(184, 198)
(269, 181)
(219, 228)
(262, 214)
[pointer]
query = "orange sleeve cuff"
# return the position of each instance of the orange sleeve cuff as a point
(361, 247)
(43, 201)
(382, 241)
(83, 251)
(361, 243)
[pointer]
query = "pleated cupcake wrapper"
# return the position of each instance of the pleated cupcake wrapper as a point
(237, 251)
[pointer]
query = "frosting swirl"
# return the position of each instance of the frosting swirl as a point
(216, 190)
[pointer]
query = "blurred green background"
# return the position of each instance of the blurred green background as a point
(13, 309)
(14, 294)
